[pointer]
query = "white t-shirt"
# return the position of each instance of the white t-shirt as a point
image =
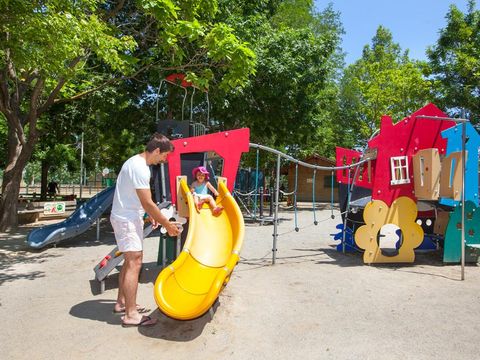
(135, 174)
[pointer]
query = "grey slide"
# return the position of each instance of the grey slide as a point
(79, 222)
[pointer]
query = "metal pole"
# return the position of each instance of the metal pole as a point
(164, 188)
(163, 239)
(98, 228)
(275, 218)
(179, 245)
(270, 211)
(307, 165)
(295, 198)
(256, 188)
(331, 197)
(81, 167)
(464, 136)
(260, 213)
(347, 209)
(156, 183)
(315, 222)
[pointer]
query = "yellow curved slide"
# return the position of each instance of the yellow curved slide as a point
(188, 287)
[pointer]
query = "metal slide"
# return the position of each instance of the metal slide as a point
(79, 222)
(188, 287)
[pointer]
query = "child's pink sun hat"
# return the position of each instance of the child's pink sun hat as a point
(201, 169)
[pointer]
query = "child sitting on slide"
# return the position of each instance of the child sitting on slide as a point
(200, 187)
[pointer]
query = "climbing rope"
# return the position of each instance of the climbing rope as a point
(245, 194)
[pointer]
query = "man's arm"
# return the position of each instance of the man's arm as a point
(149, 206)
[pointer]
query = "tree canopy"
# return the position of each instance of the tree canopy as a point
(54, 51)
(384, 81)
(296, 48)
(455, 62)
(275, 66)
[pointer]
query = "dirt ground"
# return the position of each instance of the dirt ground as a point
(314, 303)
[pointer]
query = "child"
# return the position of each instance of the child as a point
(200, 187)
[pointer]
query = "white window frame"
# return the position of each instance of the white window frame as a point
(399, 165)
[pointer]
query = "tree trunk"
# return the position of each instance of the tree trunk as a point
(9, 201)
(44, 180)
(18, 156)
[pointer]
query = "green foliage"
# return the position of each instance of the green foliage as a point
(44, 36)
(383, 82)
(53, 52)
(455, 62)
(285, 104)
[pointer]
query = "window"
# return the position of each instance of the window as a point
(399, 167)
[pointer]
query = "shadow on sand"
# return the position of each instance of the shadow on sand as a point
(424, 261)
(148, 274)
(166, 328)
(14, 250)
(178, 330)
(422, 265)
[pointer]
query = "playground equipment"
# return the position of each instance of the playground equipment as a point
(189, 286)
(423, 159)
(281, 155)
(111, 261)
(253, 201)
(176, 129)
(115, 257)
(79, 222)
(396, 191)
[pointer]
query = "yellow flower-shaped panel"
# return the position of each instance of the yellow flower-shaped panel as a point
(377, 215)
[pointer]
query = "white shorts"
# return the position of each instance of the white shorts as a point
(129, 234)
(203, 197)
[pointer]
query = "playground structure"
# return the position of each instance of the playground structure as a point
(424, 160)
(416, 181)
(80, 221)
(414, 187)
(190, 285)
(176, 129)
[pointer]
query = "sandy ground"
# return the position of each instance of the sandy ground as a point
(314, 303)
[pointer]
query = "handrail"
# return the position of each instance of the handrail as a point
(277, 184)
(311, 166)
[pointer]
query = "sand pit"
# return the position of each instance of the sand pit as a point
(314, 303)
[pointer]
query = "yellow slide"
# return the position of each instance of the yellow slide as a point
(188, 287)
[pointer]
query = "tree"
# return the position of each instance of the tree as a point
(286, 104)
(455, 62)
(54, 51)
(384, 81)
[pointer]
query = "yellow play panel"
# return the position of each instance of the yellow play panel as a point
(378, 216)
(189, 286)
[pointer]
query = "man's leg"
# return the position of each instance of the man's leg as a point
(129, 284)
(120, 305)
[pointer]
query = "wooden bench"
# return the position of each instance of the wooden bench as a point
(34, 211)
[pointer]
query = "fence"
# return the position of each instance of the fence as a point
(64, 190)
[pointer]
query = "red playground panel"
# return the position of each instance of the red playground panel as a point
(228, 144)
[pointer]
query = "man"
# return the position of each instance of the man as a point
(52, 188)
(131, 200)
